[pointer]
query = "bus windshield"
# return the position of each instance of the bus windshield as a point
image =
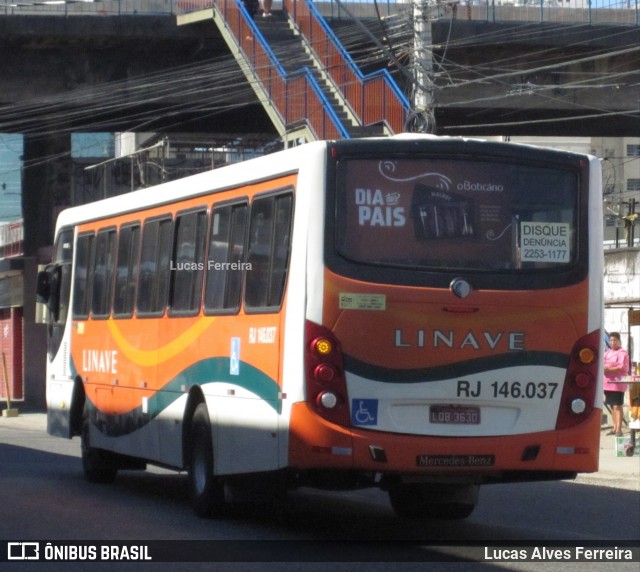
(470, 215)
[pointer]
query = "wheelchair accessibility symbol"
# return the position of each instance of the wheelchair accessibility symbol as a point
(364, 411)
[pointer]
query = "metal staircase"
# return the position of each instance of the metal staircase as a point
(306, 81)
(375, 98)
(294, 55)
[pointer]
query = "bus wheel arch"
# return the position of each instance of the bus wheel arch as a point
(76, 410)
(98, 465)
(195, 398)
(206, 491)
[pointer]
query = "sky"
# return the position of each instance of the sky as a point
(10, 177)
(11, 149)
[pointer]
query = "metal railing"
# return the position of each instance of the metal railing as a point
(92, 8)
(297, 97)
(374, 98)
(624, 12)
(557, 11)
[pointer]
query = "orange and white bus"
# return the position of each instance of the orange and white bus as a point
(414, 313)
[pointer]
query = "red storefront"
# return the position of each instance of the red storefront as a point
(11, 312)
(11, 348)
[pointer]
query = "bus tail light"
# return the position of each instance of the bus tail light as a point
(324, 367)
(581, 381)
(324, 372)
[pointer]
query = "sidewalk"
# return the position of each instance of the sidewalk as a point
(616, 472)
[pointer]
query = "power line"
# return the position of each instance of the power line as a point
(216, 86)
(538, 121)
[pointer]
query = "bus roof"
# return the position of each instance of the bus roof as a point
(214, 180)
(247, 172)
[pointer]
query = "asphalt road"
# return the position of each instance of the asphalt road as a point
(45, 498)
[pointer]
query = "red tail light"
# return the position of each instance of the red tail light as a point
(581, 381)
(325, 383)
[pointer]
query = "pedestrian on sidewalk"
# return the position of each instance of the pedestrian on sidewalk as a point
(616, 365)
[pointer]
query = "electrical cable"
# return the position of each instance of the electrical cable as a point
(215, 86)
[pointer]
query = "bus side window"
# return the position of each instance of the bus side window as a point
(236, 255)
(126, 271)
(155, 261)
(281, 247)
(269, 245)
(103, 272)
(83, 274)
(63, 256)
(54, 289)
(188, 268)
(225, 259)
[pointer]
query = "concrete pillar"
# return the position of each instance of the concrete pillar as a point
(46, 184)
(46, 187)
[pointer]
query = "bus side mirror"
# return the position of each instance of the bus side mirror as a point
(48, 289)
(43, 286)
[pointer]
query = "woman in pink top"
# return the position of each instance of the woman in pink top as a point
(616, 365)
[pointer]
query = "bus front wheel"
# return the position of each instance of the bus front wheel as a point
(98, 465)
(206, 491)
(421, 501)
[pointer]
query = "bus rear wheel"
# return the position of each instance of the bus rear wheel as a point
(442, 502)
(98, 465)
(205, 490)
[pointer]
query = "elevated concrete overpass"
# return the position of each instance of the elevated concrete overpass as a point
(497, 69)
(537, 79)
(118, 73)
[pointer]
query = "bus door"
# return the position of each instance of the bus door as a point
(255, 341)
(54, 290)
(247, 417)
(92, 353)
(141, 401)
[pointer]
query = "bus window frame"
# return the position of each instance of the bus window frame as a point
(231, 204)
(57, 281)
(494, 279)
(159, 312)
(273, 194)
(109, 280)
(134, 265)
(192, 311)
(88, 277)
(58, 277)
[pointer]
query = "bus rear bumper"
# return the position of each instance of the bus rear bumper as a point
(315, 443)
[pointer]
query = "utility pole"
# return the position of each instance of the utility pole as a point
(422, 119)
(630, 221)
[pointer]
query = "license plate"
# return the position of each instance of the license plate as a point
(454, 414)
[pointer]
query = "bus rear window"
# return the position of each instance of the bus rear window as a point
(454, 214)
